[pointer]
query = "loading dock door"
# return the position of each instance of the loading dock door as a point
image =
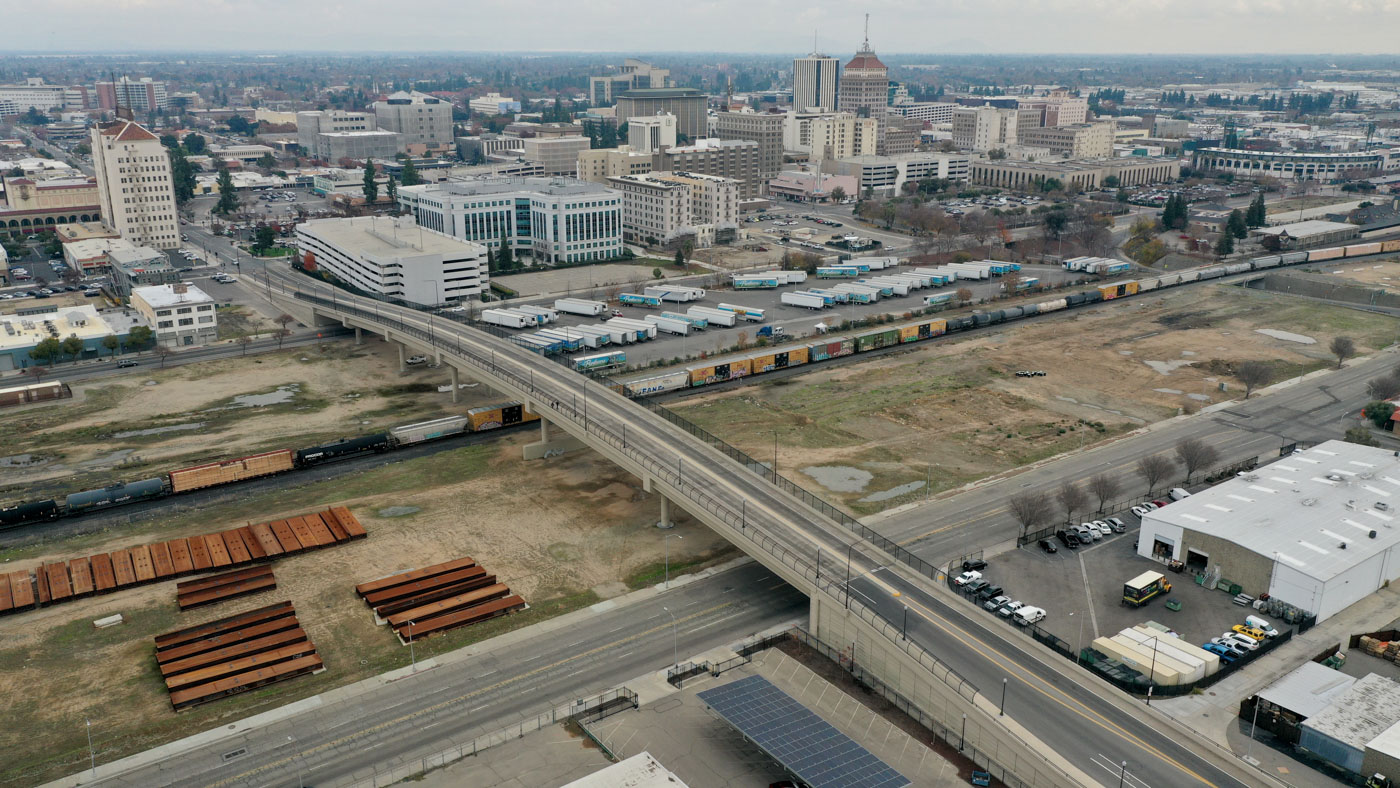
(1196, 561)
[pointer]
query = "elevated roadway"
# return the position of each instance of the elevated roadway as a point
(1057, 730)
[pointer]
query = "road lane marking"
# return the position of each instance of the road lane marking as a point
(236, 779)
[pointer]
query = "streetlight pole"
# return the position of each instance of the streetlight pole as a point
(1122, 773)
(906, 623)
(675, 639)
(962, 738)
(1002, 712)
(667, 540)
(412, 658)
(92, 754)
(849, 548)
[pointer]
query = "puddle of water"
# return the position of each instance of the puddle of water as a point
(839, 478)
(282, 394)
(1167, 367)
(893, 492)
(21, 460)
(1188, 352)
(159, 430)
(1201, 397)
(397, 511)
(1286, 336)
(1167, 391)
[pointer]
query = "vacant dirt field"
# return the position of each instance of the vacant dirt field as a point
(1384, 274)
(580, 531)
(871, 433)
(138, 425)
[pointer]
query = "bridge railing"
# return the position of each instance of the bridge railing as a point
(824, 573)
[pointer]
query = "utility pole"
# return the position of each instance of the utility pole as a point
(1002, 712)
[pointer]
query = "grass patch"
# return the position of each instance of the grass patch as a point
(655, 572)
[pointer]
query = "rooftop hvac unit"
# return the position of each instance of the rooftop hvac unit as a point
(1336, 477)
(1372, 534)
(1383, 506)
(1351, 505)
(1310, 502)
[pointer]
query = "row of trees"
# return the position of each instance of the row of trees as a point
(52, 349)
(1034, 509)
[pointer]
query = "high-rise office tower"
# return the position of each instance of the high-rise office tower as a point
(814, 82)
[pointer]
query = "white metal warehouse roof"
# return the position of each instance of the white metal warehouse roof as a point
(1308, 690)
(1313, 510)
(639, 771)
(1360, 714)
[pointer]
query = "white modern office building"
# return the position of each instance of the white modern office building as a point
(651, 133)
(1315, 529)
(560, 220)
(180, 314)
(886, 175)
(815, 79)
(394, 257)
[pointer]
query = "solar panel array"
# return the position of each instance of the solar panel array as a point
(798, 739)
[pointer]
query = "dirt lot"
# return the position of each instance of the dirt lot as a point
(870, 433)
(1385, 274)
(580, 531)
(137, 425)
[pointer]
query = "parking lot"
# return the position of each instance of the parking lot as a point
(795, 321)
(1081, 591)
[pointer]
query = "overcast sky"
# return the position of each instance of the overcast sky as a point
(905, 26)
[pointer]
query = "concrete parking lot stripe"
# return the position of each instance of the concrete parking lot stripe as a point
(1036, 683)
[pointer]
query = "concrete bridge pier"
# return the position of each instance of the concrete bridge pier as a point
(453, 369)
(403, 357)
(549, 444)
(665, 521)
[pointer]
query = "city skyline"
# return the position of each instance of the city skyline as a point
(958, 27)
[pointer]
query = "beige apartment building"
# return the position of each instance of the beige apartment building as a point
(1079, 141)
(765, 128)
(659, 207)
(557, 155)
(830, 135)
(1059, 108)
(989, 128)
(736, 159)
(134, 184)
(604, 163)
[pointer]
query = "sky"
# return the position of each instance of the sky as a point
(764, 26)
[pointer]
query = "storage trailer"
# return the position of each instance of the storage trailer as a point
(635, 299)
(749, 313)
(719, 317)
(669, 325)
(579, 306)
(808, 300)
(508, 318)
(675, 293)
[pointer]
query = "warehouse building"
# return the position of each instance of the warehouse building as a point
(1360, 724)
(180, 314)
(1313, 232)
(1314, 530)
(19, 334)
(1084, 174)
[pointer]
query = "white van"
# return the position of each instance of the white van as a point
(1177, 494)
(1261, 625)
(1028, 615)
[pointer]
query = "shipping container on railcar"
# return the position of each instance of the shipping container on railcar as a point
(873, 340)
(1118, 290)
(215, 473)
(1390, 246)
(490, 417)
(429, 430)
(771, 360)
(115, 495)
(833, 348)
(1326, 254)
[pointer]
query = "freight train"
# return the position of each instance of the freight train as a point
(781, 357)
(214, 474)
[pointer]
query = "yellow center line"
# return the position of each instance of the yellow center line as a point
(460, 698)
(1032, 681)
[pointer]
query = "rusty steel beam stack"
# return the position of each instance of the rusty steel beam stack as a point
(106, 572)
(437, 598)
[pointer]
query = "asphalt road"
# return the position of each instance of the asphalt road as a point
(499, 685)
(778, 529)
(1315, 410)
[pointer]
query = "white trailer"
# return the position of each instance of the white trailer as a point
(809, 300)
(878, 263)
(648, 330)
(939, 276)
(899, 286)
(508, 318)
(600, 336)
(675, 293)
(579, 306)
(839, 296)
(669, 325)
(786, 277)
(915, 281)
(617, 335)
(976, 271)
(545, 314)
(572, 339)
(869, 294)
(719, 317)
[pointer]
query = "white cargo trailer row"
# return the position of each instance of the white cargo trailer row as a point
(808, 300)
(669, 324)
(543, 313)
(643, 329)
(675, 293)
(719, 317)
(509, 318)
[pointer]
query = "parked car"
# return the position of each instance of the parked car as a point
(1261, 625)
(1230, 645)
(1103, 526)
(1009, 609)
(972, 564)
(1178, 493)
(988, 591)
(996, 602)
(970, 576)
(1242, 640)
(1226, 655)
(1249, 632)
(415, 360)
(1068, 539)
(1048, 546)
(975, 586)
(126, 362)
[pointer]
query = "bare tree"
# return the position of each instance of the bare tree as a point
(1072, 499)
(1194, 454)
(245, 340)
(1254, 374)
(1030, 508)
(284, 320)
(36, 372)
(1153, 468)
(1104, 487)
(281, 334)
(1343, 348)
(964, 295)
(1383, 388)
(978, 225)
(163, 352)
(1009, 282)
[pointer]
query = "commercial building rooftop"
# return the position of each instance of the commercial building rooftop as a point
(23, 331)
(1319, 511)
(1306, 228)
(1366, 710)
(1308, 690)
(385, 237)
(162, 296)
(553, 186)
(639, 771)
